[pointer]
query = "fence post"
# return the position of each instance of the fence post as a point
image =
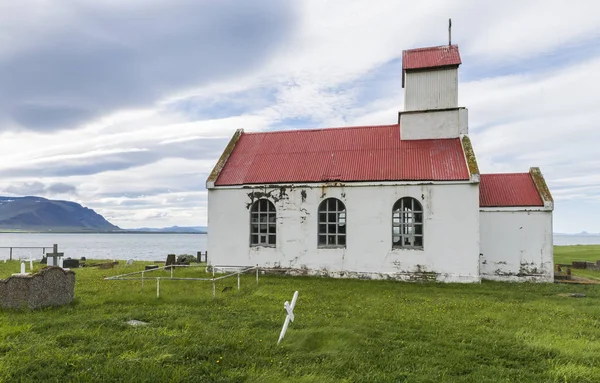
(238, 281)
(257, 274)
(11, 253)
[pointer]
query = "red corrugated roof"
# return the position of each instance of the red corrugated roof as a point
(370, 153)
(508, 189)
(430, 57)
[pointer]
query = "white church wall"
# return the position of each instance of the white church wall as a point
(431, 89)
(451, 231)
(517, 245)
(433, 124)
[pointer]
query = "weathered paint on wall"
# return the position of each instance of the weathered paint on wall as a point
(517, 245)
(450, 123)
(431, 89)
(450, 253)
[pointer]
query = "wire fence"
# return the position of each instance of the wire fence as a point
(23, 252)
(142, 275)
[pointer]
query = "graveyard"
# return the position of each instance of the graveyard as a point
(343, 330)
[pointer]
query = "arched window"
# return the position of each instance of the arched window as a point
(262, 223)
(407, 223)
(332, 223)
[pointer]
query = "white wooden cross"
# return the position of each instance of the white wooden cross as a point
(290, 315)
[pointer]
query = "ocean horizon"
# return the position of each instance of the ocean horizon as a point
(148, 246)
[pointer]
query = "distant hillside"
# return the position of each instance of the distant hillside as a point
(173, 229)
(41, 214)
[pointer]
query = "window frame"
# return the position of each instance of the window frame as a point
(340, 221)
(411, 218)
(260, 208)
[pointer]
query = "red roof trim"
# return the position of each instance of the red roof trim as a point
(430, 57)
(508, 190)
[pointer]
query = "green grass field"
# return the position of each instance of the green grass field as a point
(568, 254)
(345, 331)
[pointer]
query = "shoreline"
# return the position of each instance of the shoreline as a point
(97, 232)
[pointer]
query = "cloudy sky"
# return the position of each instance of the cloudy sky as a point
(125, 106)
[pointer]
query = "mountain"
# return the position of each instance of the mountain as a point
(41, 214)
(173, 229)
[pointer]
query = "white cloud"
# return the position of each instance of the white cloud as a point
(336, 69)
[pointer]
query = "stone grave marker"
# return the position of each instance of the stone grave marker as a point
(170, 260)
(54, 257)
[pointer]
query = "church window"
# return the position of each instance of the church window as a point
(263, 223)
(332, 223)
(407, 224)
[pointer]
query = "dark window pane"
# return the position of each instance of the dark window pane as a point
(342, 240)
(332, 217)
(322, 228)
(271, 239)
(331, 239)
(418, 241)
(331, 204)
(342, 229)
(419, 229)
(322, 217)
(271, 229)
(332, 229)
(253, 229)
(263, 228)
(254, 239)
(322, 240)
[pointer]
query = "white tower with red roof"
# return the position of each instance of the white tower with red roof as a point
(430, 80)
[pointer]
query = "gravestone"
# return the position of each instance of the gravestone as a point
(51, 286)
(53, 258)
(170, 260)
(70, 263)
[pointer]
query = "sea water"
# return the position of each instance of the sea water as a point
(149, 247)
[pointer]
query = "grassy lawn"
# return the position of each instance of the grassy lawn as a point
(345, 331)
(568, 254)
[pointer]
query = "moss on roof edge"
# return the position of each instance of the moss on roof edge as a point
(470, 155)
(224, 157)
(540, 184)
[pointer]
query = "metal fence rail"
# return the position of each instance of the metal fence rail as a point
(10, 248)
(134, 276)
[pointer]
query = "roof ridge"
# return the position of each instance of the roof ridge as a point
(321, 129)
(429, 48)
(505, 174)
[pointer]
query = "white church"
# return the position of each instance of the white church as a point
(402, 201)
